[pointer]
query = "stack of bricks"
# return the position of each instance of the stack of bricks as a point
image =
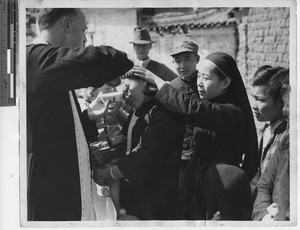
(241, 58)
(268, 38)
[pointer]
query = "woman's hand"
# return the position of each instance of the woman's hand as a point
(148, 76)
(102, 176)
(107, 175)
(273, 211)
(268, 217)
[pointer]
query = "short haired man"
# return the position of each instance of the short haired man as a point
(60, 182)
(185, 56)
(142, 44)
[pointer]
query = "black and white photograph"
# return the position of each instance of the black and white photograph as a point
(152, 114)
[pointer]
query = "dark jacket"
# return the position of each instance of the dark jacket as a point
(220, 121)
(54, 190)
(273, 185)
(161, 70)
(188, 88)
(219, 135)
(152, 167)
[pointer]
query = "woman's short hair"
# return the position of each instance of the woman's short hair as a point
(150, 90)
(49, 16)
(274, 78)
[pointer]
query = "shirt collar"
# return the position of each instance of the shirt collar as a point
(144, 108)
(194, 78)
(274, 124)
(143, 63)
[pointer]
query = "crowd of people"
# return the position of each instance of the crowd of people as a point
(178, 146)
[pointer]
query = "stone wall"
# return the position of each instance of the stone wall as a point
(267, 38)
(241, 57)
(263, 40)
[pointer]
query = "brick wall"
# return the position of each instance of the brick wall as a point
(241, 58)
(263, 40)
(260, 38)
(267, 38)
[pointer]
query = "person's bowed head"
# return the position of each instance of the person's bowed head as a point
(136, 90)
(227, 192)
(104, 100)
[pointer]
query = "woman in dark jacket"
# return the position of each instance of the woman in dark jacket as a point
(225, 130)
(149, 171)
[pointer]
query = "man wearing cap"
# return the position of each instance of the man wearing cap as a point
(185, 56)
(142, 44)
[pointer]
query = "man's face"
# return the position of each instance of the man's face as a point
(133, 90)
(76, 37)
(142, 50)
(185, 64)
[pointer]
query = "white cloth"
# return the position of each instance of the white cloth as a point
(103, 205)
(143, 63)
(87, 200)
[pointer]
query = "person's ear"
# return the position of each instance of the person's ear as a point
(280, 103)
(66, 23)
(226, 83)
(197, 58)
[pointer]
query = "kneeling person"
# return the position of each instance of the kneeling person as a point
(149, 172)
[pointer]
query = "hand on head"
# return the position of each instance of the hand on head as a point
(147, 75)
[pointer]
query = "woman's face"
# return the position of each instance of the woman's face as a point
(209, 84)
(134, 92)
(263, 105)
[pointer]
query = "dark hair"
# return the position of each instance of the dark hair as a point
(49, 16)
(220, 74)
(274, 78)
(226, 189)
